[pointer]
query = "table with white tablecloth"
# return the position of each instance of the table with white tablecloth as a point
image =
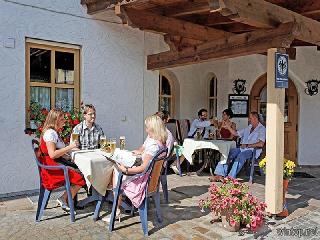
(223, 146)
(97, 166)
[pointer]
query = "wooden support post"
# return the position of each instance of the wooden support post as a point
(275, 139)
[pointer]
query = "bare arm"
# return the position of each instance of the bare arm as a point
(138, 151)
(258, 144)
(234, 128)
(56, 153)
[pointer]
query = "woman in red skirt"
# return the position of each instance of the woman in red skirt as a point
(52, 150)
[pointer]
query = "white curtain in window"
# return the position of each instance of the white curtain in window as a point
(41, 95)
(64, 98)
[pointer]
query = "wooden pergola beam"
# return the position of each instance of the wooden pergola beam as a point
(153, 22)
(233, 46)
(187, 9)
(263, 14)
(177, 43)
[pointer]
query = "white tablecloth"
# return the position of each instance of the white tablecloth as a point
(96, 168)
(190, 145)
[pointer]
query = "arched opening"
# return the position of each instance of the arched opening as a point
(213, 103)
(258, 102)
(166, 98)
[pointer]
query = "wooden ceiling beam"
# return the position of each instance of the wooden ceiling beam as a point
(97, 6)
(177, 43)
(153, 22)
(263, 14)
(187, 9)
(233, 46)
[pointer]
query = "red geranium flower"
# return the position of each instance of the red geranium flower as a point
(76, 122)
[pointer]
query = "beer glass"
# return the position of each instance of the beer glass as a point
(103, 141)
(113, 144)
(198, 135)
(122, 142)
(74, 137)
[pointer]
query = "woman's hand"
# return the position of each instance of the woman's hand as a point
(136, 152)
(74, 144)
(121, 167)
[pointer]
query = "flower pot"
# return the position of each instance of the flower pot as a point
(226, 225)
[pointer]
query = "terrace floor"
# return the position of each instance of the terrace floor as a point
(182, 216)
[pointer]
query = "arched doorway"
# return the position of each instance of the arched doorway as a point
(258, 102)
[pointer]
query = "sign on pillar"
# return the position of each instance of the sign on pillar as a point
(282, 70)
(277, 67)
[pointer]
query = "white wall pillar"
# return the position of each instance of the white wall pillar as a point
(274, 140)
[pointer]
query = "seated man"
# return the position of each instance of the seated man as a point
(89, 132)
(202, 124)
(253, 136)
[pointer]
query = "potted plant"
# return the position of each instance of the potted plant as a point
(234, 205)
(38, 115)
(288, 171)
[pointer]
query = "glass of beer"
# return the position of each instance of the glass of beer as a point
(122, 142)
(113, 144)
(74, 137)
(103, 141)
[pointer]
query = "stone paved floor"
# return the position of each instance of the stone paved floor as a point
(182, 217)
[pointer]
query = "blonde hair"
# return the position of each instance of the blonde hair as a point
(156, 125)
(52, 120)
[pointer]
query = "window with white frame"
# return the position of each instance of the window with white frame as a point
(213, 97)
(52, 75)
(165, 95)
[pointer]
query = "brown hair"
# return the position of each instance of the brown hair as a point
(164, 115)
(52, 120)
(256, 115)
(87, 107)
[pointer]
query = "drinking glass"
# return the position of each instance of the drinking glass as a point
(74, 137)
(103, 141)
(113, 144)
(122, 142)
(198, 135)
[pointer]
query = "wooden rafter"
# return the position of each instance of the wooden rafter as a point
(153, 22)
(263, 14)
(234, 46)
(177, 43)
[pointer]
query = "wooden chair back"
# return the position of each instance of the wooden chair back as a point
(155, 176)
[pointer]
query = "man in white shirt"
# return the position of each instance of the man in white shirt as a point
(201, 124)
(253, 136)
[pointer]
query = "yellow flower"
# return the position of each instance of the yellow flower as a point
(288, 167)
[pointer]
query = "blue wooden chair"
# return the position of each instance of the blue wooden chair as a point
(152, 190)
(254, 162)
(44, 193)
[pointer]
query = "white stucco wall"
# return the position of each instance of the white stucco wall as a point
(113, 70)
(114, 78)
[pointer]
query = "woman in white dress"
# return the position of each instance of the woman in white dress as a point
(156, 139)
